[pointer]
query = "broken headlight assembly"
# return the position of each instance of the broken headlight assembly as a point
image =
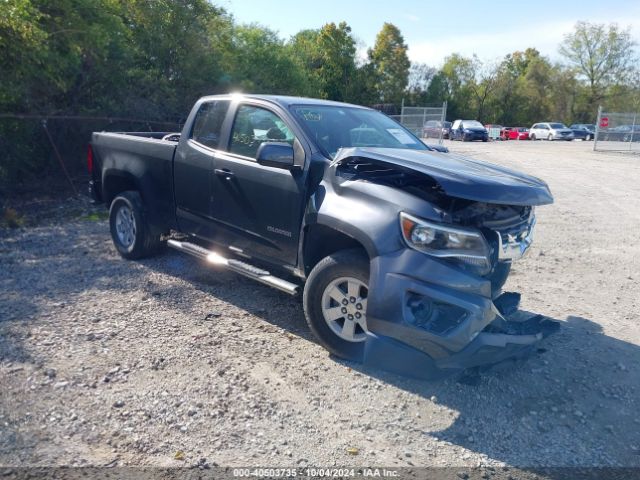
(463, 245)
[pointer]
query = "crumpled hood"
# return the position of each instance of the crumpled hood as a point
(460, 176)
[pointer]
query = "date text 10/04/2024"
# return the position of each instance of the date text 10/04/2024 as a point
(311, 472)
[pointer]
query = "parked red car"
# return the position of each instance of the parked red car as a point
(514, 133)
(504, 133)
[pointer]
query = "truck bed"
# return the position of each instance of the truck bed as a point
(148, 144)
(140, 161)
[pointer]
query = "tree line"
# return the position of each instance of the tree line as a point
(599, 66)
(152, 59)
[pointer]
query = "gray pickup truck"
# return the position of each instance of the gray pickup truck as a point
(399, 249)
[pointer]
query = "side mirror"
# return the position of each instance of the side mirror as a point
(275, 154)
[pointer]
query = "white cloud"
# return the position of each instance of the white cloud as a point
(411, 17)
(494, 45)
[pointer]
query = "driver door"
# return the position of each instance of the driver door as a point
(258, 209)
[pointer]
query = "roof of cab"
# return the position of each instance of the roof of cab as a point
(286, 101)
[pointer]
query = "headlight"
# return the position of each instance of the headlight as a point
(443, 241)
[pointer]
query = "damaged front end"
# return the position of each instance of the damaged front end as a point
(436, 306)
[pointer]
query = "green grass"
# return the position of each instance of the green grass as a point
(96, 216)
(11, 218)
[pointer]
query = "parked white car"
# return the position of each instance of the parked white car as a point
(550, 131)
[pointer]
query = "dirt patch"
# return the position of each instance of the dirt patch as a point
(164, 362)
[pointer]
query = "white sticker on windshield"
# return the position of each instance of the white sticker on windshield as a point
(402, 136)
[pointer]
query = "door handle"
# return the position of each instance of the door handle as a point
(224, 172)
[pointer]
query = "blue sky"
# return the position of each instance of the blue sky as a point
(433, 30)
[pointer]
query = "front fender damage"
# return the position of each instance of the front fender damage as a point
(430, 317)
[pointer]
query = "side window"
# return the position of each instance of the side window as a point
(255, 125)
(208, 123)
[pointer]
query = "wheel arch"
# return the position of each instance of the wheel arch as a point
(115, 182)
(321, 240)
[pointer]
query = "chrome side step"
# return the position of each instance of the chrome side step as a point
(237, 266)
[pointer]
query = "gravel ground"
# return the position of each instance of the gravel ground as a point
(164, 362)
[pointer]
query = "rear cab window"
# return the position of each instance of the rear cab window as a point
(207, 125)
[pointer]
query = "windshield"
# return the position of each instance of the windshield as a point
(336, 127)
(557, 125)
(471, 124)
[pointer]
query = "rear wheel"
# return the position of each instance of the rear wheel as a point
(130, 232)
(335, 303)
(587, 138)
(533, 137)
(550, 137)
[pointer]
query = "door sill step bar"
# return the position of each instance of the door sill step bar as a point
(237, 266)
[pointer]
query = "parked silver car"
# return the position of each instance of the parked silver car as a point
(550, 131)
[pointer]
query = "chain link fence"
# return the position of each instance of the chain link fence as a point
(617, 132)
(38, 146)
(427, 122)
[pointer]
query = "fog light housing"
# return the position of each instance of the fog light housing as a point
(433, 316)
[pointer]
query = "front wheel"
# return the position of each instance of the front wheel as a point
(130, 232)
(550, 137)
(335, 303)
(587, 138)
(533, 137)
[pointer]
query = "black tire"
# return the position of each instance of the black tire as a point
(346, 263)
(145, 242)
(533, 137)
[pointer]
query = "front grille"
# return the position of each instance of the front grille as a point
(516, 231)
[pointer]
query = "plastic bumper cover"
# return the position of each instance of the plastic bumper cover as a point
(485, 350)
(472, 328)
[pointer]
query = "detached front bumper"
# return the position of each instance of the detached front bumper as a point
(430, 319)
